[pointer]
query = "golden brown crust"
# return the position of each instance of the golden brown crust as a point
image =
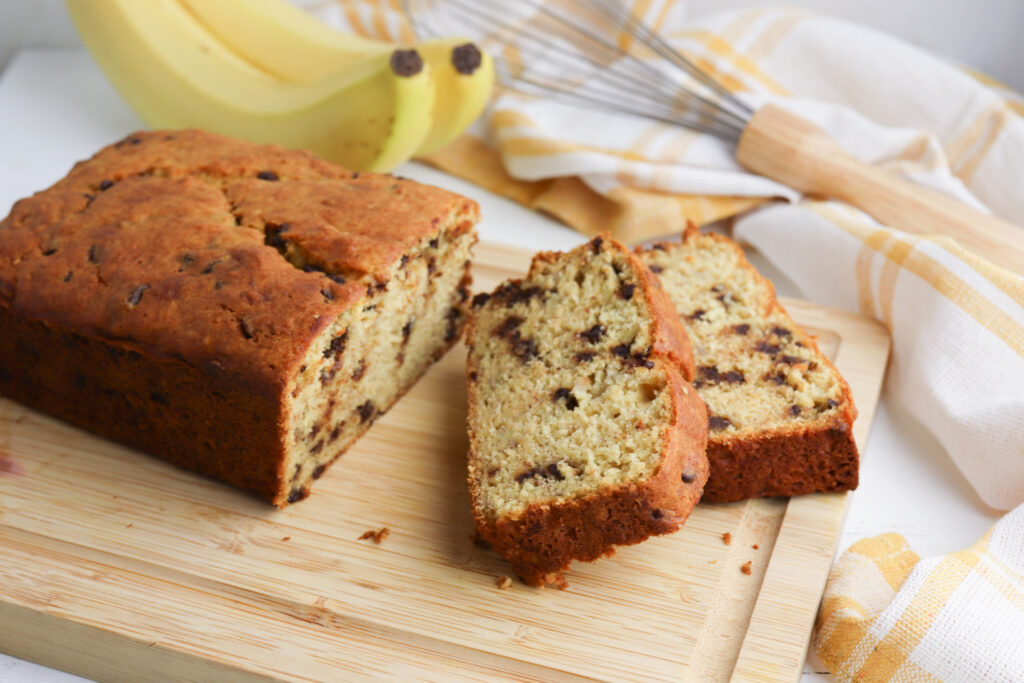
(543, 541)
(166, 290)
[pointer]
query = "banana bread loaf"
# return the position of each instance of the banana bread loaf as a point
(243, 311)
(584, 433)
(780, 413)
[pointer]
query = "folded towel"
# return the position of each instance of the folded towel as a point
(888, 615)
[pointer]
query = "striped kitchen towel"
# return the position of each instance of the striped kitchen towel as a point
(888, 615)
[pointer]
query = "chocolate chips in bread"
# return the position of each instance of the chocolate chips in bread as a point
(243, 311)
(584, 432)
(780, 413)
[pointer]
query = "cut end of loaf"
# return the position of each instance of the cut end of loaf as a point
(779, 412)
(575, 412)
(362, 363)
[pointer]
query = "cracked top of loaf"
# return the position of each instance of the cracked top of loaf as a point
(225, 253)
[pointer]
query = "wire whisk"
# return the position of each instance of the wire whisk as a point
(599, 56)
(595, 55)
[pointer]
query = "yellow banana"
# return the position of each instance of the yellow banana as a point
(291, 44)
(373, 115)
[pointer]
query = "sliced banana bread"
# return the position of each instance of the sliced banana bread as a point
(244, 311)
(780, 415)
(584, 432)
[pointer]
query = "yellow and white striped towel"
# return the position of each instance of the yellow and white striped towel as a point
(888, 615)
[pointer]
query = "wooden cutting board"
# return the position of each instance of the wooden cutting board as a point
(117, 566)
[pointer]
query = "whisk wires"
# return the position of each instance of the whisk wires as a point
(572, 51)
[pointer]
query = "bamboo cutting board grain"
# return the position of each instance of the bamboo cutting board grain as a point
(117, 566)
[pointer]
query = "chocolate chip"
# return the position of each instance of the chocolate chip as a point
(718, 423)
(248, 328)
(626, 291)
(355, 175)
(157, 397)
(564, 394)
(267, 175)
(697, 315)
(359, 371)
(319, 471)
(134, 141)
(371, 307)
(433, 243)
(335, 433)
(789, 360)
(340, 279)
(68, 276)
(778, 379)
(584, 356)
(106, 185)
(50, 252)
(337, 345)
(297, 494)
(742, 328)
(327, 294)
(513, 293)
(480, 299)
(708, 373)
(94, 254)
(554, 472)
(689, 477)
(657, 514)
(794, 410)
(660, 246)
(136, 296)
(466, 58)
(453, 315)
(406, 331)
(89, 198)
(406, 62)
(597, 244)
(594, 334)
(765, 347)
(317, 447)
(718, 289)
(523, 349)
(781, 331)
(510, 324)
(472, 376)
(622, 350)
(366, 411)
(832, 403)
(210, 266)
(655, 268)
(733, 377)
(431, 265)
(186, 261)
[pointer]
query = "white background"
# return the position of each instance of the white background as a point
(908, 485)
(985, 34)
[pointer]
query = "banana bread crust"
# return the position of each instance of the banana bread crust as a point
(542, 541)
(166, 291)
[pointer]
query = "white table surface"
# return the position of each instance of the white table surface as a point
(56, 108)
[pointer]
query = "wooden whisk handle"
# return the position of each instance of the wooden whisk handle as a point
(791, 150)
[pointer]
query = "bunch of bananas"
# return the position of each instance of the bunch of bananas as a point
(266, 71)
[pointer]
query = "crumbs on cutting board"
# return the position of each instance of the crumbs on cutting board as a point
(504, 583)
(756, 547)
(745, 567)
(727, 538)
(377, 535)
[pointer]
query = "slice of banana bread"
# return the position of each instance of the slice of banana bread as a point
(584, 432)
(243, 311)
(780, 413)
